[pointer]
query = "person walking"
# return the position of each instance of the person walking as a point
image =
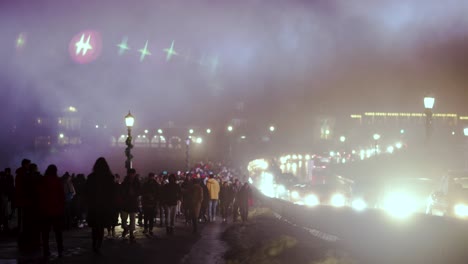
(130, 193)
(195, 196)
(100, 198)
(244, 199)
(213, 189)
(150, 197)
(51, 209)
(69, 190)
(117, 205)
(236, 187)
(226, 196)
(171, 195)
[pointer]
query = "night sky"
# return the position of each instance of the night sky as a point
(276, 56)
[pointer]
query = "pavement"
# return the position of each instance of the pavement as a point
(181, 247)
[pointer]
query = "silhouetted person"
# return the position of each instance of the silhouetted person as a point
(130, 193)
(195, 197)
(51, 209)
(117, 206)
(10, 186)
(80, 205)
(70, 193)
(3, 203)
(150, 196)
(27, 177)
(226, 196)
(244, 196)
(100, 199)
(171, 194)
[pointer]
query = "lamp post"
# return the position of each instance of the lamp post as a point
(428, 105)
(129, 122)
(230, 129)
(376, 141)
(188, 140)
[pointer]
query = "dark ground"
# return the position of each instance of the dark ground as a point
(161, 248)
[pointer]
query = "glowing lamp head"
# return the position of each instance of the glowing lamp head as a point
(342, 138)
(429, 102)
(230, 128)
(129, 120)
(160, 131)
(208, 131)
(376, 137)
(191, 131)
(272, 129)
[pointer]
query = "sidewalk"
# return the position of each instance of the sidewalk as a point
(161, 248)
(210, 248)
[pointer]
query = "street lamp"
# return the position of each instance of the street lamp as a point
(129, 122)
(376, 139)
(343, 139)
(230, 128)
(429, 102)
(160, 131)
(190, 131)
(272, 129)
(208, 131)
(188, 140)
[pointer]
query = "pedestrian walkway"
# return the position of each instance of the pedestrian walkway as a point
(210, 248)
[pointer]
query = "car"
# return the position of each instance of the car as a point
(336, 192)
(404, 196)
(450, 197)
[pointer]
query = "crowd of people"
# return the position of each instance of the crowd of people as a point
(104, 200)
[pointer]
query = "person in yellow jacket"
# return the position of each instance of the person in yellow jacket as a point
(213, 190)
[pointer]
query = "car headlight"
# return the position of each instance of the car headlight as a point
(311, 200)
(338, 200)
(280, 189)
(461, 210)
(400, 205)
(295, 195)
(359, 205)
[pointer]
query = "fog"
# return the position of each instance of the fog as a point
(275, 56)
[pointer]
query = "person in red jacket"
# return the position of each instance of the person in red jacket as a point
(51, 208)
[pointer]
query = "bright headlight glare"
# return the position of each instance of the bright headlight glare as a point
(400, 205)
(311, 200)
(295, 195)
(359, 205)
(461, 210)
(338, 200)
(280, 189)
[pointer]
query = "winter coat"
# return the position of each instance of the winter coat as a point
(213, 189)
(171, 193)
(150, 193)
(51, 197)
(196, 198)
(131, 190)
(100, 191)
(226, 195)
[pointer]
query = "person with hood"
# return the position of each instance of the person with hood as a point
(51, 209)
(213, 191)
(171, 194)
(99, 195)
